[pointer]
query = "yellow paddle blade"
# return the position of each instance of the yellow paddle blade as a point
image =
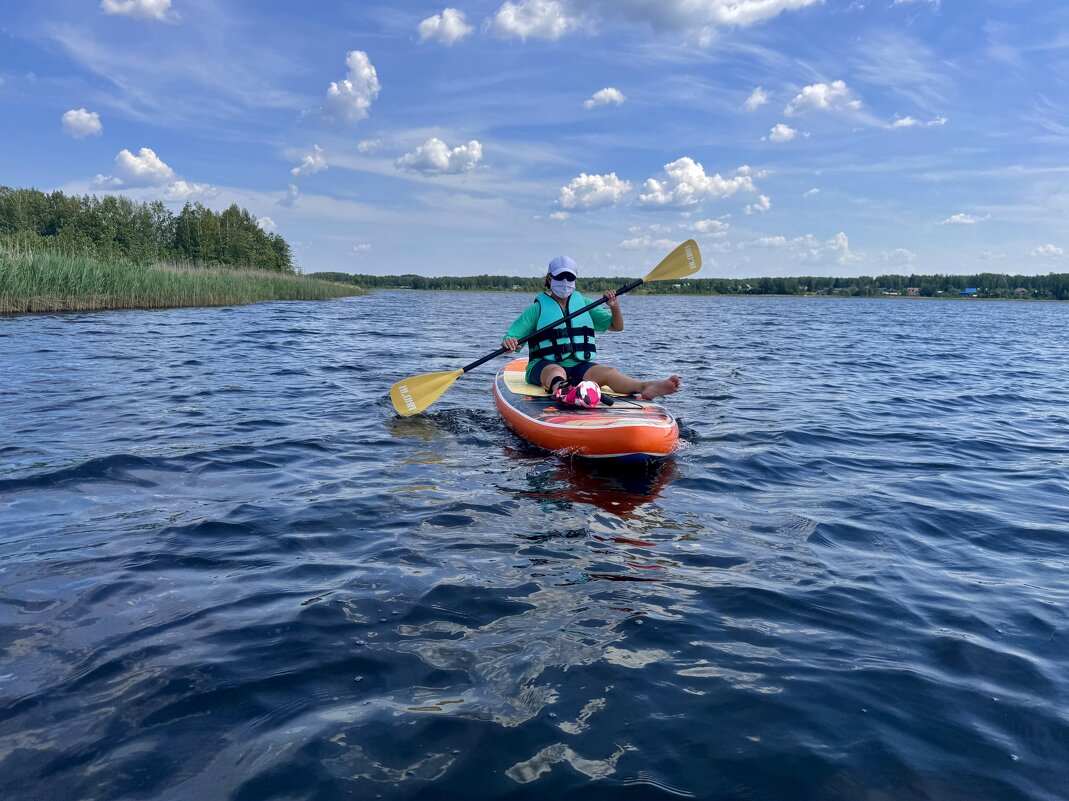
(682, 262)
(412, 395)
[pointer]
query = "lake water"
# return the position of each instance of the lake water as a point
(229, 571)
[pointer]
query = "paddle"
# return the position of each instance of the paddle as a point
(412, 395)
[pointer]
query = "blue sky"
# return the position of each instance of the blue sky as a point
(788, 137)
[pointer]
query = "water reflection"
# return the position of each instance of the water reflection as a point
(531, 769)
(554, 606)
(510, 660)
(446, 424)
(620, 489)
(421, 426)
(557, 482)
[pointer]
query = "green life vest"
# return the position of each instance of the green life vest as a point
(573, 338)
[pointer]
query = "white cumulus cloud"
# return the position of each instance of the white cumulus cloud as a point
(771, 242)
(839, 247)
(266, 224)
(144, 169)
(762, 205)
(809, 249)
(812, 192)
(159, 10)
(434, 157)
(712, 227)
(685, 183)
(559, 216)
(448, 27)
(349, 100)
(960, 219)
(746, 169)
(1047, 251)
(105, 182)
(534, 19)
(603, 97)
(698, 19)
(823, 97)
(312, 163)
(187, 190)
(80, 123)
(593, 191)
(782, 133)
(361, 248)
(758, 97)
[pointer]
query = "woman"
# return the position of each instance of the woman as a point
(563, 359)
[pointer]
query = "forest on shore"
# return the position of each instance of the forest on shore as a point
(113, 228)
(1054, 286)
(71, 253)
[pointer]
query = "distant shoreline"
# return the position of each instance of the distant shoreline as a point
(810, 296)
(984, 286)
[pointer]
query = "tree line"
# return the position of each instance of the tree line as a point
(1054, 286)
(115, 228)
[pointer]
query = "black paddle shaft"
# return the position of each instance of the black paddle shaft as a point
(625, 288)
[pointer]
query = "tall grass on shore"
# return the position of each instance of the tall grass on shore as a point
(45, 282)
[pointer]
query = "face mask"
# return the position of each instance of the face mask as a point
(561, 289)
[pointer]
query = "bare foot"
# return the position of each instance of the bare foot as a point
(655, 389)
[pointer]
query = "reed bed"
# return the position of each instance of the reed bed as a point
(47, 282)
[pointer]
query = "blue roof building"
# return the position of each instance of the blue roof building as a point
(968, 292)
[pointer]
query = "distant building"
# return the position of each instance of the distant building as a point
(969, 292)
(913, 291)
(1021, 292)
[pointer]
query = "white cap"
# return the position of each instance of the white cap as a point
(563, 264)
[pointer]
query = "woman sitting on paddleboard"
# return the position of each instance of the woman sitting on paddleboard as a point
(563, 361)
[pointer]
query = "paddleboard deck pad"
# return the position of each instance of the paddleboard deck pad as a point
(631, 428)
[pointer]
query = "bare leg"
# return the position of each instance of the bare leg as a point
(618, 382)
(549, 372)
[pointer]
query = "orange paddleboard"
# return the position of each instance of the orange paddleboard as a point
(629, 429)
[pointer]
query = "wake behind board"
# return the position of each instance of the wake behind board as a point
(630, 429)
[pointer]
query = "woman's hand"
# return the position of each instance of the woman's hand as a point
(510, 343)
(610, 299)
